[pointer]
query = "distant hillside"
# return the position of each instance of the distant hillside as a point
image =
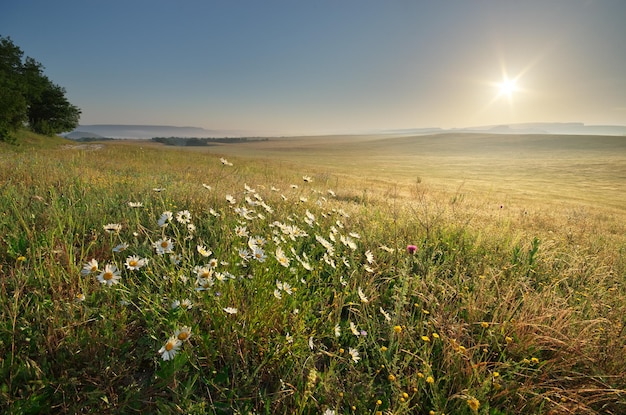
(147, 131)
(571, 128)
(77, 135)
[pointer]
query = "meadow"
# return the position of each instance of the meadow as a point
(453, 274)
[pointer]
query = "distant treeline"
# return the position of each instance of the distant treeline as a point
(193, 141)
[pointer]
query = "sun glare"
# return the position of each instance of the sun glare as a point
(507, 87)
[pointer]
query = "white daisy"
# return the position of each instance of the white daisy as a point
(202, 250)
(166, 217)
(169, 350)
(112, 227)
(164, 246)
(384, 313)
(362, 296)
(182, 334)
(369, 256)
(184, 216)
(110, 275)
(337, 330)
(89, 267)
(121, 247)
(135, 204)
(230, 310)
(281, 257)
(354, 354)
(259, 255)
(134, 263)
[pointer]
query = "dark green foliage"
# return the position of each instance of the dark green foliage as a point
(28, 97)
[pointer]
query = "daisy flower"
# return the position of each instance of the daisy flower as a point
(206, 186)
(362, 296)
(134, 262)
(278, 294)
(169, 350)
(354, 354)
(259, 254)
(203, 272)
(186, 303)
(184, 333)
(287, 288)
(110, 275)
(89, 267)
(354, 330)
(256, 241)
(230, 310)
(307, 179)
(384, 313)
(369, 256)
(281, 257)
(175, 304)
(337, 331)
(241, 231)
(244, 254)
(135, 204)
(225, 162)
(121, 247)
(184, 216)
(204, 284)
(230, 199)
(166, 217)
(112, 227)
(164, 246)
(202, 250)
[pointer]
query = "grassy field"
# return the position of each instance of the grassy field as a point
(452, 274)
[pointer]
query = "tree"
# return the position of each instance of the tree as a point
(51, 113)
(29, 98)
(13, 105)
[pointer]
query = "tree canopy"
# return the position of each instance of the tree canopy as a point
(28, 98)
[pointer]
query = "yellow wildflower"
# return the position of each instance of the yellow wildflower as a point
(473, 403)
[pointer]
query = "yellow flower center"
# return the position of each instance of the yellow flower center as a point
(169, 346)
(164, 244)
(107, 276)
(94, 268)
(133, 263)
(183, 335)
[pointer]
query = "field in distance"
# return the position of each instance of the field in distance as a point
(584, 169)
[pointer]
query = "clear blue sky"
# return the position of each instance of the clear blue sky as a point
(323, 66)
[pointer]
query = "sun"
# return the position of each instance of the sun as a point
(507, 87)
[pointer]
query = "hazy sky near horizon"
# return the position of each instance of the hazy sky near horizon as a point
(322, 66)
